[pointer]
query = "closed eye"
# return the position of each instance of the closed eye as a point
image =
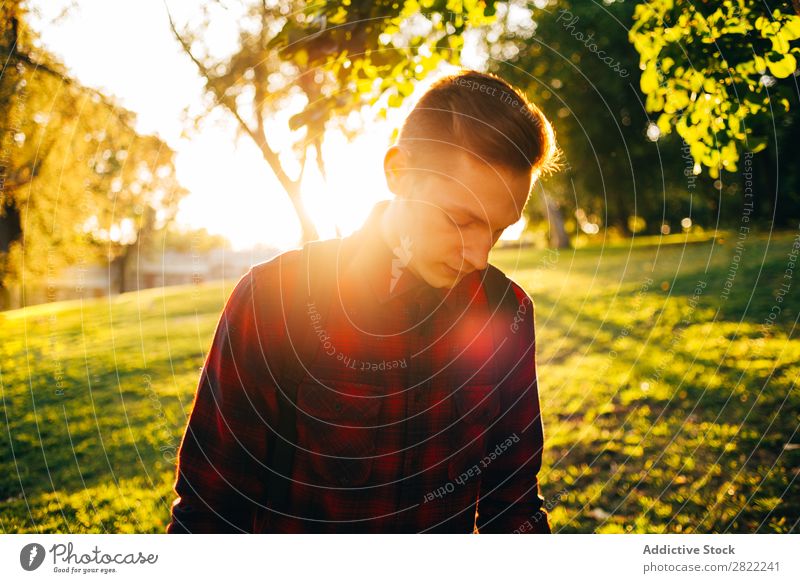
(496, 233)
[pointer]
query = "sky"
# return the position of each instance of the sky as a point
(126, 49)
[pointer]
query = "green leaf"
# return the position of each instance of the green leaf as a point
(791, 27)
(395, 100)
(649, 81)
(784, 67)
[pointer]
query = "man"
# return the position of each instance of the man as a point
(416, 409)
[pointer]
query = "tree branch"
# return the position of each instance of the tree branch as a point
(258, 136)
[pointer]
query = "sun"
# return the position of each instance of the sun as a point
(355, 182)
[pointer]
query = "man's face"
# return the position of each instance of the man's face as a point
(453, 217)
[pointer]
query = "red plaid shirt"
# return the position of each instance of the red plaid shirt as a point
(402, 425)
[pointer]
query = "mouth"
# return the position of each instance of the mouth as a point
(453, 272)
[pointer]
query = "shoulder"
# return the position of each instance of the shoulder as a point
(264, 284)
(272, 268)
(523, 298)
(273, 281)
(501, 281)
(288, 262)
(516, 307)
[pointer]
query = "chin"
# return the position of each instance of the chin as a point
(446, 282)
(439, 283)
(438, 279)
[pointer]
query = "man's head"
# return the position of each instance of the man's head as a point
(461, 171)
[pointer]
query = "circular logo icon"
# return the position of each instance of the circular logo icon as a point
(31, 556)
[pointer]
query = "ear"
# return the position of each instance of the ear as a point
(395, 168)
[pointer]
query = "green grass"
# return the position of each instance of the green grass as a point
(662, 412)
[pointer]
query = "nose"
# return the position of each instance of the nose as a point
(476, 252)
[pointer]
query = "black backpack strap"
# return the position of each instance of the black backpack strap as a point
(503, 309)
(314, 288)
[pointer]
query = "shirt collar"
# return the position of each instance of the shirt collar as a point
(384, 269)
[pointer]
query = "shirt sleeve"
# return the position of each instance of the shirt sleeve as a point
(509, 500)
(221, 473)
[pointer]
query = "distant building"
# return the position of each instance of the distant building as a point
(170, 268)
(177, 268)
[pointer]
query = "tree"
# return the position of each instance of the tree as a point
(709, 69)
(574, 60)
(77, 178)
(321, 62)
(193, 240)
(142, 199)
(623, 167)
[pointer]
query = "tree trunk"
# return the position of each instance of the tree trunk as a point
(10, 231)
(324, 173)
(621, 214)
(559, 239)
(5, 296)
(10, 227)
(120, 265)
(310, 232)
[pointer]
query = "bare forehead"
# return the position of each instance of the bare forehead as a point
(486, 193)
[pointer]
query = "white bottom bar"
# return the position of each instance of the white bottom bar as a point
(401, 558)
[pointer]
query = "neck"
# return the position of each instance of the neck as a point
(387, 226)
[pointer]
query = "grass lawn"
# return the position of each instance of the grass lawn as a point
(667, 379)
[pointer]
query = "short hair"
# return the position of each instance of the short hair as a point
(485, 116)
